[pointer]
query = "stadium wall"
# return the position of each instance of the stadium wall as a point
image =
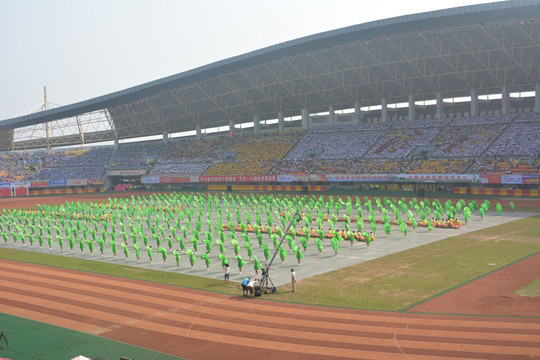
(88, 190)
(497, 192)
(478, 184)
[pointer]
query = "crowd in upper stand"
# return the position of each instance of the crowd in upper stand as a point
(64, 173)
(94, 156)
(12, 168)
(135, 156)
(519, 139)
(349, 144)
(482, 144)
(401, 143)
(254, 155)
(466, 141)
(483, 120)
(420, 124)
(188, 156)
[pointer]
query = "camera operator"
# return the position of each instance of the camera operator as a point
(251, 287)
(244, 284)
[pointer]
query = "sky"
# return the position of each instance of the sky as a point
(81, 49)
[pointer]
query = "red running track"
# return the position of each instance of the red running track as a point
(195, 324)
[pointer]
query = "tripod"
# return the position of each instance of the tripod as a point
(3, 339)
(266, 281)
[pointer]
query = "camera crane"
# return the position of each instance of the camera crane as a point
(265, 279)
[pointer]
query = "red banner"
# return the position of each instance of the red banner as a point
(490, 178)
(237, 178)
(173, 179)
(39, 184)
(355, 178)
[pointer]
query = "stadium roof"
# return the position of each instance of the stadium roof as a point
(484, 47)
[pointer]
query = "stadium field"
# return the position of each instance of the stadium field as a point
(396, 305)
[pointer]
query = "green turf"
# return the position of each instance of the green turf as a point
(398, 281)
(532, 289)
(31, 340)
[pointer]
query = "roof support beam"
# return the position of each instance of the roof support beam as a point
(81, 132)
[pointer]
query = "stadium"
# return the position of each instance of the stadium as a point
(393, 164)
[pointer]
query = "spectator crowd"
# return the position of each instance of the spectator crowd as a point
(482, 144)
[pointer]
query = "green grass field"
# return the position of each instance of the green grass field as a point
(397, 282)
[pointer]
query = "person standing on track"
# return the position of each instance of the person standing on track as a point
(293, 280)
(227, 270)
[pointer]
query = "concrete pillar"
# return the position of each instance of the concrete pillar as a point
(332, 115)
(231, 128)
(537, 98)
(256, 124)
(281, 121)
(474, 103)
(198, 132)
(505, 101)
(384, 111)
(357, 113)
(305, 119)
(412, 109)
(439, 108)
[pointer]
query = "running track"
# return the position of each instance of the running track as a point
(194, 324)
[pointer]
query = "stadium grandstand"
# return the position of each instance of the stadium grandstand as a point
(448, 98)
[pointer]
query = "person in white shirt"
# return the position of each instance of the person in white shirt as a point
(227, 270)
(251, 287)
